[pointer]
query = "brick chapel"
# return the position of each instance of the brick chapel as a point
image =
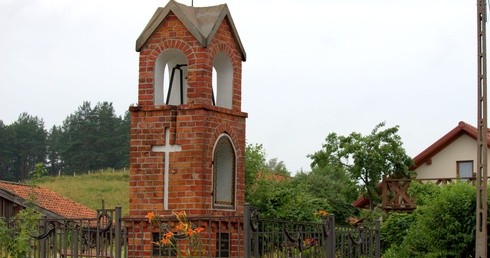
(188, 129)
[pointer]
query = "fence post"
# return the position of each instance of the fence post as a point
(74, 243)
(247, 236)
(378, 240)
(117, 233)
(331, 236)
(42, 242)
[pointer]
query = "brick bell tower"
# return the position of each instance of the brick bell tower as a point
(188, 129)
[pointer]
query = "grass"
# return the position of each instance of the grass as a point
(91, 189)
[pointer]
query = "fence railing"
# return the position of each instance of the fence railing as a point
(395, 196)
(277, 238)
(111, 235)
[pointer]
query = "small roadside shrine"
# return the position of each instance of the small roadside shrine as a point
(188, 129)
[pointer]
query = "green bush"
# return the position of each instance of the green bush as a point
(395, 228)
(443, 226)
(15, 240)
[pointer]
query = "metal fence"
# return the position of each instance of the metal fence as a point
(110, 235)
(92, 237)
(275, 238)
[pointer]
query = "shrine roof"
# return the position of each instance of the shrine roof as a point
(202, 22)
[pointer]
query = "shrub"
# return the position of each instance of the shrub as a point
(395, 228)
(444, 226)
(14, 241)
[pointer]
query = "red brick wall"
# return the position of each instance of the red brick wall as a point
(194, 126)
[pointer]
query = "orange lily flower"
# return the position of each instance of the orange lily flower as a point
(150, 216)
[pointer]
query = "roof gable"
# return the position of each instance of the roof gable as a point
(444, 141)
(46, 200)
(202, 22)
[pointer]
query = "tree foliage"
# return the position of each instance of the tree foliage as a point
(16, 239)
(55, 144)
(366, 158)
(443, 225)
(94, 138)
(284, 200)
(89, 139)
(6, 152)
(254, 163)
(23, 145)
(276, 194)
(332, 185)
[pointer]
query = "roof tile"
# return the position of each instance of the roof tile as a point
(49, 200)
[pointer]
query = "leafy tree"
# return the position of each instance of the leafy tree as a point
(89, 139)
(122, 140)
(6, 151)
(366, 158)
(27, 146)
(106, 124)
(272, 190)
(79, 134)
(282, 200)
(94, 138)
(276, 197)
(332, 185)
(54, 150)
(39, 171)
(254, 163)
(278, 167)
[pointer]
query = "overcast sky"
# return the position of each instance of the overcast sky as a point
(313, 66)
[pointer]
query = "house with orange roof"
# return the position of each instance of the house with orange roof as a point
(15, 197)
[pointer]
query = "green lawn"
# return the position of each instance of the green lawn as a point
(91, 189)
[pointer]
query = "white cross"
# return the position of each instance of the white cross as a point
(167, 148)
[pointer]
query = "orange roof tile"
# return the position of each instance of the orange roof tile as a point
(49, 200)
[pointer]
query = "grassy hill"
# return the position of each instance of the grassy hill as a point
(91, 189)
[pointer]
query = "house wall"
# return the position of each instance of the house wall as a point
(8, 209)
(443, 164)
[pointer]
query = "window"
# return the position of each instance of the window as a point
(465, 169)
(224, 168)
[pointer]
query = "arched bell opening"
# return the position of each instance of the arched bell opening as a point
(222, 81)
(170, 84)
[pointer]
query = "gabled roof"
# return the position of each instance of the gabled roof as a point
(462, 129)
(47, 201)
(202, 22)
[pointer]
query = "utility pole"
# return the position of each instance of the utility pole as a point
(482, 163)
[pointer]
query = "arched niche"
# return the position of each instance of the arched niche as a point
(223, 83)
(224, 173)
(170, 84)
